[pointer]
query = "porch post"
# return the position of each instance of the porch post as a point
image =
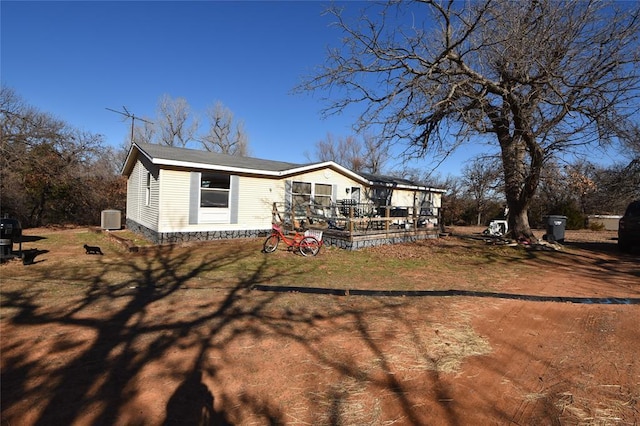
(351, 219)
(387, 212)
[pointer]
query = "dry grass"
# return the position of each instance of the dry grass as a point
(586, 412)
(301, 358)
(443, 351)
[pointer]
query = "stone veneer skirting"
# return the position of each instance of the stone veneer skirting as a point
(181, 237)
(341, 240)
(373, 240)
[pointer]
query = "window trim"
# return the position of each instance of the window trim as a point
(216, 189)
(296, 196)
(147, 191)
(199, 215)
(317, 197)
(312, 196)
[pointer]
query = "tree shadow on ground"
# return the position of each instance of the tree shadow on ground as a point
(101, 327)
(99, 378)
(585, 259)
(606, 247)
(81, 343)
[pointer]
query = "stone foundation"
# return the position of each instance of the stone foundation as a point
(372, 240)
(341, 240)
(181, 237)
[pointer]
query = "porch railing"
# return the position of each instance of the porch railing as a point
(353, 217)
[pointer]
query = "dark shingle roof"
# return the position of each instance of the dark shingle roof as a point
(163, 152)
(388, 180)
(185, 157)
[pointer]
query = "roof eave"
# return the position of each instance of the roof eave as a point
(218, 167)
(272, 173)
(129, 161)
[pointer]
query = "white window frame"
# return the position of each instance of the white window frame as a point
(307, 198)
(296, 197)
(322, 199)
(214, 214)
(147, 191)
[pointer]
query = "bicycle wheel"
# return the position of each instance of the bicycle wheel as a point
(309, 246)
(271, 244)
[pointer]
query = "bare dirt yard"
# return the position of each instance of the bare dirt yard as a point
(453, 331)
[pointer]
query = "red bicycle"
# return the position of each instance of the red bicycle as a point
(306, 244)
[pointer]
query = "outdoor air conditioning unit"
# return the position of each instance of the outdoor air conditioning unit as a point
(111, 219)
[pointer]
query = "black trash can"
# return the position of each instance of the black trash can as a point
(5, 248)
(10, 232)
(555, 228)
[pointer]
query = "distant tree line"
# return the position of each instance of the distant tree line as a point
(52, 173)
(576, 189)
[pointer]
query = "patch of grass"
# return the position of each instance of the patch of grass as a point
(136, 239)
(424, 265)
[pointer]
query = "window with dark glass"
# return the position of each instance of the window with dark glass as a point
(322, 194)
(301, 193)
(214, 190)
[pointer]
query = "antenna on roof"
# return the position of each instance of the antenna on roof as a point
(132, 116)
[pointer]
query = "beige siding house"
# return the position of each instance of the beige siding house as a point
(179, 194)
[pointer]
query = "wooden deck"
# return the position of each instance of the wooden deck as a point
(374, 237)
(358, 226)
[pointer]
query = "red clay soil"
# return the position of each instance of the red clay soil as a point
(555, 343)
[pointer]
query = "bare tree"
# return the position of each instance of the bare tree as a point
(533, 78)
(51, 172)
(453, 201)
(176, 127)
(224, 135)
(368, 155)
(629, 136)
(326, 150)
(31, 167)
(481, 177)
(579, 177)
(346, 151)
(145, 131)
(376, 153)
(617, 186)
(174, 124)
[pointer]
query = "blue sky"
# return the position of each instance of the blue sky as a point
(75, 59)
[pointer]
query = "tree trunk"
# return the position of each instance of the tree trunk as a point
(520, 185)
(519, 221)
(522, 160)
